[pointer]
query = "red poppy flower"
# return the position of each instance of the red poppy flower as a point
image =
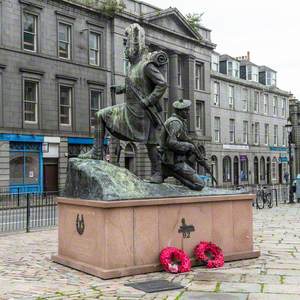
(175, 260)
(210, 254)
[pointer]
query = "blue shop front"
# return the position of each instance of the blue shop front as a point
(25, 162)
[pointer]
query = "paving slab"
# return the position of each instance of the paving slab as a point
(273, 297)
(26, 271)
(210, 296)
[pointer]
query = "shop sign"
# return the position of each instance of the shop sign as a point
(278, 148)
(45, 147)
(283, 159)
(235, 147)
(243, 158)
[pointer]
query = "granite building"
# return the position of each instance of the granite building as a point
(248, 116)
(58, 59)
(294, 106)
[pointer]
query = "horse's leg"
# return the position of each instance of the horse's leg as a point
(97, 150)
(154, 156)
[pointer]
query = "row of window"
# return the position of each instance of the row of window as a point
(66, 94)
(249, 71)
(255, 133)
(276, 110)
(263, 170)
(64, 40)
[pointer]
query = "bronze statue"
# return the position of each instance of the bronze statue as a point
(179, 152)
(137, 119)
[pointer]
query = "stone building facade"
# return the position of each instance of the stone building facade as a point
(294, 105)
(248, 116)
(57, 61)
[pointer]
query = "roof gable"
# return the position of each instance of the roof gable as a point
(173, 20)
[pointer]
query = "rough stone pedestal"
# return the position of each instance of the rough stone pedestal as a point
(121, 238)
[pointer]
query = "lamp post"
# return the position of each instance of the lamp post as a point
(289, 128)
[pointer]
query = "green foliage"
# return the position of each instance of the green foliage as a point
(111, 7)
(218, 287)
(107, 7)
(194, 20)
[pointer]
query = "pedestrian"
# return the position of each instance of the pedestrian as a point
(286, 177)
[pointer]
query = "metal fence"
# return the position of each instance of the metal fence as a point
(27, 211)
(279, 192)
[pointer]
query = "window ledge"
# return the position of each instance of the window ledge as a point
(66, 77)
(32, 71)
(31, 4)
(96, 82)
(63, 14)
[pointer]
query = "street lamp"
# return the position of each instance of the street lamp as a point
(289, 128)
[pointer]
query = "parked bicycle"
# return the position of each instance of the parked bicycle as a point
(263, 196)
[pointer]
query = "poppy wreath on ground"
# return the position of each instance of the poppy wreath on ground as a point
(210, 254)
(174, 260)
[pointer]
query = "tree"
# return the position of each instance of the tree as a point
(107, 7)
(194, 20)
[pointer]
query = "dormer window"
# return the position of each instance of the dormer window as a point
(270, 78)
(233, 69)
(252, 73)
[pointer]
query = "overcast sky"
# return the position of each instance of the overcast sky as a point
(270, 30)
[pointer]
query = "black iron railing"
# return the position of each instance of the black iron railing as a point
(27, 211)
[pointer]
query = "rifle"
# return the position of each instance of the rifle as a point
(204, 164)
(151, 110)
(201, 159)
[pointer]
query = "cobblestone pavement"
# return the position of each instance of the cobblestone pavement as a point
(26, 271)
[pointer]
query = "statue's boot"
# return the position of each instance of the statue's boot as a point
(97, 150)
(156, 178)
(155, 160)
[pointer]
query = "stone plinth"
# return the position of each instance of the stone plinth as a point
(123, 238)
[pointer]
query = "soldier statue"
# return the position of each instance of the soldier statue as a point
(136, 120)
(179, 152)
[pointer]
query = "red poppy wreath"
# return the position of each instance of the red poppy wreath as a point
(175, 260)
(210, 254)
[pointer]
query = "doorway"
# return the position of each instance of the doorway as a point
(256, 177)
(50, 175)
(236, 170)
(280, 173)
(268, 170)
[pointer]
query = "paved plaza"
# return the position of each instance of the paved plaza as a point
(26, 271)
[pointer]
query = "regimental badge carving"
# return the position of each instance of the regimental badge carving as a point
(186, 229)
(80, 224)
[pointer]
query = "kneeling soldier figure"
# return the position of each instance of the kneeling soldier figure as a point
(179, 153)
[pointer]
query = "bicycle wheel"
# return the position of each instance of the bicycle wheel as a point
(269, 200)
(259, 200)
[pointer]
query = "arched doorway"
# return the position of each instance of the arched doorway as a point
(226, 169)
(214, 167)
(244, 168)
(256, 181)
(280, 173)
(268, 170)
(262, 169)
(274, 170)
(236, 170)
(129, 158)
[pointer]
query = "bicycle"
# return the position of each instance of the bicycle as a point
(263, 196)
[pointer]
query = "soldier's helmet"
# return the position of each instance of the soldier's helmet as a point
(182, 104)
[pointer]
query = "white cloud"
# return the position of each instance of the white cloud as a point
(270, 30)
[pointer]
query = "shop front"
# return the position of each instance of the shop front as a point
(25, 163)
